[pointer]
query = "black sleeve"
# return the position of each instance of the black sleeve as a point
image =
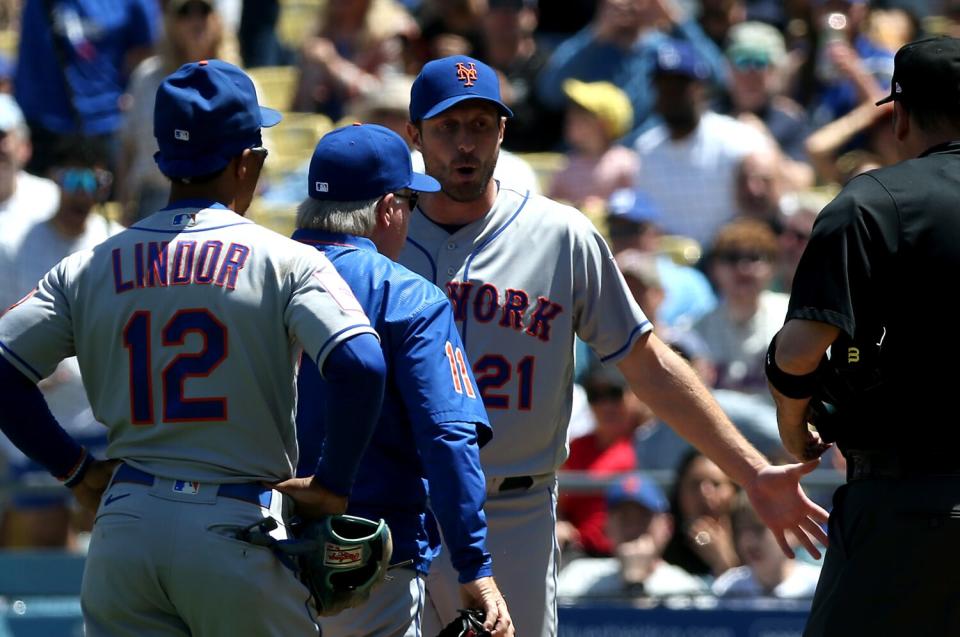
(853, 243)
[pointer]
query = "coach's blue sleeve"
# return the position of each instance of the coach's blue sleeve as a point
(447, 417)
(27, 422)
(356, 375)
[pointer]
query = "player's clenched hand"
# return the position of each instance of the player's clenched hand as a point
(94, 483)
(484, 594)
(312, 500)
(783, 506)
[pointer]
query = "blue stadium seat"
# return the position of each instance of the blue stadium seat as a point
(40, 594)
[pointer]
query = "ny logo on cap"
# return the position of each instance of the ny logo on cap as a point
(182, 135)
(897, 88)
(466, 74)
(322, 186)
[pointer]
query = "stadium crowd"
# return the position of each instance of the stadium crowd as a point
(702, 136)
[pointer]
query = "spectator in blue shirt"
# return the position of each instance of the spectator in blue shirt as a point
(74, 60)
(850, 67)
(620, 47)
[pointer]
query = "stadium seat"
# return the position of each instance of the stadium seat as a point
(291, 142)
(682, 250)
(9, 43)
(297, 19)
(280, 219)
(275, 85)
(545, 165)
(40, 594)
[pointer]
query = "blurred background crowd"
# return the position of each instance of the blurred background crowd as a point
(702, 137)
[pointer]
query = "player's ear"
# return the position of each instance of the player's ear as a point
(414, 133)
(901, 121)
(385, 210)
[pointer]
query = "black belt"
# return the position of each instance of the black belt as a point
(514, 483)
(251, 492)
(873, 464)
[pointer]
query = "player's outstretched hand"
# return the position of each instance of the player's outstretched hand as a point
(94, 483)
(483, 594)
(783, 506)
(312, 500)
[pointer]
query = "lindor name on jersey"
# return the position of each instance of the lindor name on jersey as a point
(485, 304)
(162, 263)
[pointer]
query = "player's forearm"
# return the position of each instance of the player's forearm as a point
(664, 381)
(27, 422)
(356, 373)
(457, 487)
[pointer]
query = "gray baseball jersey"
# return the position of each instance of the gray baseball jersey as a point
(523, 281)
(188, 328)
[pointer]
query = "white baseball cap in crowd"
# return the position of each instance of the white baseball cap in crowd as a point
(11, 117)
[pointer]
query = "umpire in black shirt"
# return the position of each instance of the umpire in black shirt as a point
(877, 285)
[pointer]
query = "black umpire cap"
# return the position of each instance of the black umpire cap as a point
(927, 72)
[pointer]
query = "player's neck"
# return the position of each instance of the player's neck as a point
(206, 192)
(444, 210)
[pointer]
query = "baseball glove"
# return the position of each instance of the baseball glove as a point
(339, 558)
(469, 623)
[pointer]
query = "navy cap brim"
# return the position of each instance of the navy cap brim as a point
(269, 117)
(886, 100)
(423, 183)
(443, 105)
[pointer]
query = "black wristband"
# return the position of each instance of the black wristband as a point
(791, 386)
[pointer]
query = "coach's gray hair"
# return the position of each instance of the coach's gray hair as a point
(348, 217)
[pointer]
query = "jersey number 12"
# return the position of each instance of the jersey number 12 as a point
(176, 407)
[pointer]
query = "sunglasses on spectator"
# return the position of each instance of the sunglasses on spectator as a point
(412, 197)
(734, 258)
(86, 180)
(188, 9)
(751, 63)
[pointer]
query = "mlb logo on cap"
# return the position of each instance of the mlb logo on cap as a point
(927, 73)
(361, 162)
(205, 114)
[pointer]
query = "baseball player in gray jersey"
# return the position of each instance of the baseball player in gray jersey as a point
(188, 328)
(525, 274)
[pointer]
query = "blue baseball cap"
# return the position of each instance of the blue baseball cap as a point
(448, 81)
(206, 114)
(363, 161)
(676, 57)
(638, 488)
(631, 205)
